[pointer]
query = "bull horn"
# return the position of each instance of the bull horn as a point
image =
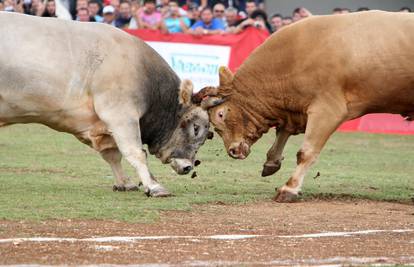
(203, 93)
(211, 101)
(207, 97)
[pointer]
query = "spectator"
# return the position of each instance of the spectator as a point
(94, 8)
(362, 9)
(296, 15)
(10, 6)
(83, 15)
(286, 21)
(257, 19)
(186, 4)
(260, 20)
(149, 17)
(135, 6)
(193, 13)
(125, 15)
(232, 20)
(208, 24)
(175, 23)
(276, 22)
(345, 11)
(238, 4)
(337, 11)
(81, 4)
(36, 8)
(163, 8)
(1, 6)
(218, 11)
(108, 13)
(115, 4)
(405, 9)
(304, 13)
(50, 10)
(251, 6)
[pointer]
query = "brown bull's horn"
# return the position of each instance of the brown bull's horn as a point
(203, 93)
(211, 101)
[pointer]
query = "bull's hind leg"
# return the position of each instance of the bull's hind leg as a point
(322, 122)
(274, 155)
(114, 157)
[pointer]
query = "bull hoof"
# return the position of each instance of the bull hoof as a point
(158, 191)
(131, 188)
(118, 188)
(285, 197)
(270, 169)
(123, 188)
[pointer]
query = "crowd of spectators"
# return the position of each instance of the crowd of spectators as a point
(197, 17)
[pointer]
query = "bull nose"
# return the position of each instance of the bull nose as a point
(236, 154)
(187, 169)
(238, 151)
(233, 153)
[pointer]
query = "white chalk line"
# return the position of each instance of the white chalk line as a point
(331, 262)
(345, 234)
(129, 239)
(327, 262)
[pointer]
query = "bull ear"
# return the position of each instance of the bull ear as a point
(186, 91)
(226, 76)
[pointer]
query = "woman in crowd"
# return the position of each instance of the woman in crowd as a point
(50, 10)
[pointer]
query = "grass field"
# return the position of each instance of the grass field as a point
(50, 175)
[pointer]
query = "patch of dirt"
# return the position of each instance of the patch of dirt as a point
(266, 218)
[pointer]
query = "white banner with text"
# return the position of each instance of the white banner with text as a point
(199, 63)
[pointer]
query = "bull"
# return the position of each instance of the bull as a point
(309, 78)
(107, 88)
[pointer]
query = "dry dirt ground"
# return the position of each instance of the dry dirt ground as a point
(276, 234)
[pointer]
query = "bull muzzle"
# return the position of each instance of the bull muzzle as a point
(181, 166)
(239, 150)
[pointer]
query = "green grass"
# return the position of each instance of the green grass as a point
(49, 175)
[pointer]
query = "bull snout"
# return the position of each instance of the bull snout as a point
(181, 166)
(239, 150)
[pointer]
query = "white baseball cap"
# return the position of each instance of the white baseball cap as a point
(108, 10)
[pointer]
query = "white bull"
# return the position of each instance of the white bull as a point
(104, 86)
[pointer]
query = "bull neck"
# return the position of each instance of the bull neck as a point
(261, 110)
(163, 113)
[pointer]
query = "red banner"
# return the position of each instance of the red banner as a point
(241, 44)
(244, 43)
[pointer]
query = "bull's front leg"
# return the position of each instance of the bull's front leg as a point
(274, 155)
(322, 122)
(127, 135)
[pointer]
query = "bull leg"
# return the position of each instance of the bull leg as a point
(321, 124)
(124, 125)
(114, 157)
(274, 155)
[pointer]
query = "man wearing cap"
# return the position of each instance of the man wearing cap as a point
(109, 15)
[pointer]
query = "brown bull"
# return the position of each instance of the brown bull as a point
(311, 77)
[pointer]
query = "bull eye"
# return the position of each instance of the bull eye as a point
(196, 129)
(220, 114)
